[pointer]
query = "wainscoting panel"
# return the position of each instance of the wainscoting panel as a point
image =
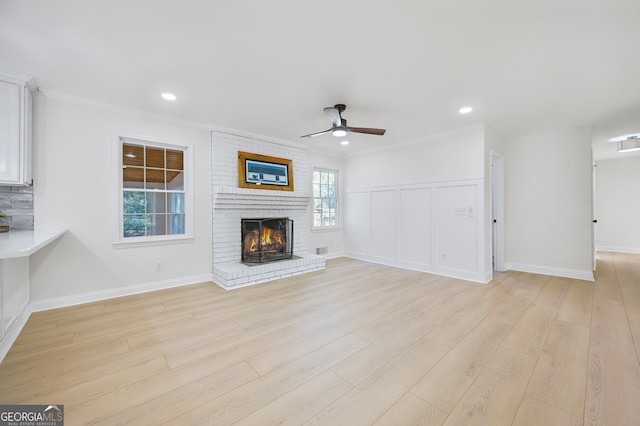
(416, 226)
(433, 227)
(357, 222)
(383, 224)
(457, 227)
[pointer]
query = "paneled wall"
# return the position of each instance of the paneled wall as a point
(433, 227)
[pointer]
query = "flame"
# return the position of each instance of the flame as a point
(268, 237)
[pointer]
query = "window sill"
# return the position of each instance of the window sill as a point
(328, 229)
(146, 242)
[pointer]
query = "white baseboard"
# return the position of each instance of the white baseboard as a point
(556, 272)
(618, 249)
(334, 255)
(479, 277)
(488, 276)
(96, 296)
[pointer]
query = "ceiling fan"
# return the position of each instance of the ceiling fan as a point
(340, 127)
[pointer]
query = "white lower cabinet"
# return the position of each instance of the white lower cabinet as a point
(14, 293)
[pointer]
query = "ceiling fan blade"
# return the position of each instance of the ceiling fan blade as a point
(367, 130)
(313, 135)
(333, 114)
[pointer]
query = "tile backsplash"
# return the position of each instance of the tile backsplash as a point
(17, 203)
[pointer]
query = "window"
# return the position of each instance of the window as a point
(154, 194)
(325, 198)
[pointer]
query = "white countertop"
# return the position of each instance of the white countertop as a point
(25, 243)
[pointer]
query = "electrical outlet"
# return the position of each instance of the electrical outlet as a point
(463, 211)
(159, 266)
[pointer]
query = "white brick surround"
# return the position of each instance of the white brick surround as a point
(231, 204)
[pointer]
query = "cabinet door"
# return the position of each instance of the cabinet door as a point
(10, 117)
(15, 290)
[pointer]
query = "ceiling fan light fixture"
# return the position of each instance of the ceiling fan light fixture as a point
(340, 128)
(339, 131)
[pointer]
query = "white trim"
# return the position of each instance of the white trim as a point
(327, 229)
(577, 274)
(10, 338)
(413, 185)
(488, 276)
(496, 208)
(338, 198)
(264, 138)
(334, 255)
(189, 203)
(63, 97)
(618, 249)
(97, 296)
(150, 242)
(429, 269)
(419, 140)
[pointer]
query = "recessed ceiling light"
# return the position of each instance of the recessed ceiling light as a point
(345, 142)
(465, 110)
(169, 96)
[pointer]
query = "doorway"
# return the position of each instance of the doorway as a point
(497, 211)
(594, 249)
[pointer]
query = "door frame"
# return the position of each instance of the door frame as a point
(594, 246)
(497, 210)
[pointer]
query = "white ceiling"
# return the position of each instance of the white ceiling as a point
(269, 67)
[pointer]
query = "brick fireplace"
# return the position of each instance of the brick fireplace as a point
(231, 204)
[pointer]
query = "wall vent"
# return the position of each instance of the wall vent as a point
(322, 250)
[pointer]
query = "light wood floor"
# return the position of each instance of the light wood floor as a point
(356, 344)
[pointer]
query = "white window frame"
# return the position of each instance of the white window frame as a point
(337, 198)
(119, 239)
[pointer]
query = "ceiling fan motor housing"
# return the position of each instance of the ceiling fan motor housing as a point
(340, 127)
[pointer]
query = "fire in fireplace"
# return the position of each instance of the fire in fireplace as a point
(266, 240)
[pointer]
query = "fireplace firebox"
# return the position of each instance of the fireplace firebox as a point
(267, 240)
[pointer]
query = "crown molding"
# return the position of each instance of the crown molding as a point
(105, 106)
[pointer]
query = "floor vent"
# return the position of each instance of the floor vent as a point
(322, 250)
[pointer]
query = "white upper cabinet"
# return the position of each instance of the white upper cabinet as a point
(15, 129)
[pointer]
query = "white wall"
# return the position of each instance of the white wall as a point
(333, 239)
(73, 189)
(548, 193)
(420, 205)
(618, 204)
(441, 157)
